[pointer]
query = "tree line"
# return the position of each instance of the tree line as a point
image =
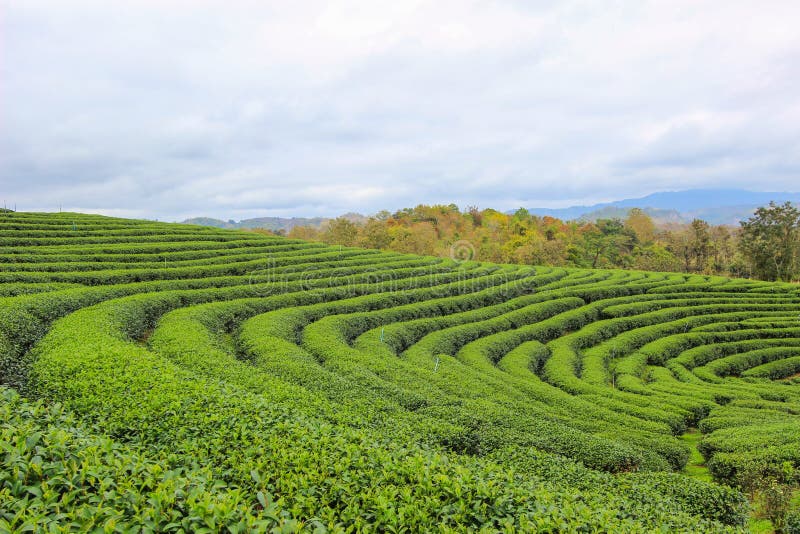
(766, 246)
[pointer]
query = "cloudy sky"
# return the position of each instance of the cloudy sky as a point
(236, 108)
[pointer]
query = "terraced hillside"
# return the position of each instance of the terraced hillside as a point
(182, 377)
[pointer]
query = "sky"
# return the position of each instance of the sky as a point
(237, 108)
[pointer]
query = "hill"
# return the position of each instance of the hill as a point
(271, 223)
(180, 377)
(659, 216)
(267, 223)
(716, 206)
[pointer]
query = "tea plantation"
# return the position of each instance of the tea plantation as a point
(162, 377)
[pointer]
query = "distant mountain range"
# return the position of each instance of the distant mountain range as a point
(270, 223)
(716, 206)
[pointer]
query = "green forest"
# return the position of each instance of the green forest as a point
(767, 246)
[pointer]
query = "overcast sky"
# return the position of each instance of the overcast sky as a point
(237, 109)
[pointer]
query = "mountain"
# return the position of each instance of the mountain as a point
(659, 215)
(271, 223)
(717, 206)
(210, 221)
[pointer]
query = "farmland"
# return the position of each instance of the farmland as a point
(166, 377)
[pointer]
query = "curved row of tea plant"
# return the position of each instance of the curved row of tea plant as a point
(210, 378)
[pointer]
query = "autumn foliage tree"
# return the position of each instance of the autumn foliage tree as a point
(341, 231)
(641, 224)
(634, 242)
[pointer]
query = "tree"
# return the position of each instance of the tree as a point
(418, 238)
(722, 249)
(606, 243)
(770, 241)
(374, 234)
(636, 242)
(700, 244)
(692, 244)
(678, 243)
(641, 224)
(614, 243)
(341, 231)
(519, 222)
(655, 257)
(304, 232)
(475, 213)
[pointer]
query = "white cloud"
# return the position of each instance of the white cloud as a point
(169, 109)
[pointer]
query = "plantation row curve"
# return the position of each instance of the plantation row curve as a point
(169, 377)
